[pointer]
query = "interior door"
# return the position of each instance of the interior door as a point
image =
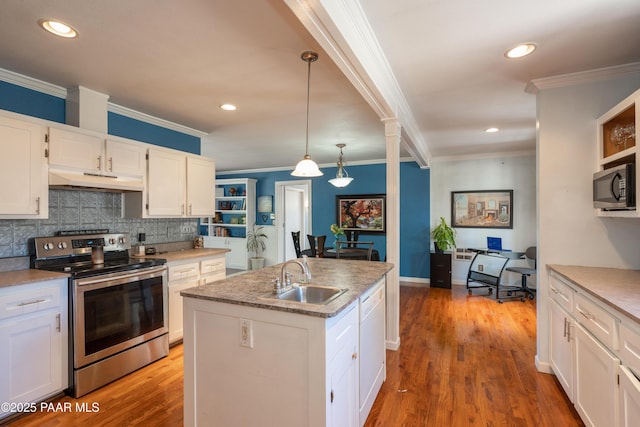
(293, 213)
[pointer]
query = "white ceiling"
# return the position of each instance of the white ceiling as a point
(437, 65)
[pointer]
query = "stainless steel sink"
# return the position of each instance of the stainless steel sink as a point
(311, 294)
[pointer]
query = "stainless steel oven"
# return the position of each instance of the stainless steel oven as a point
(118, 306)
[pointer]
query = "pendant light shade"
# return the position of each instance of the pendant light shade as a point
(342, 178)
(307, 167)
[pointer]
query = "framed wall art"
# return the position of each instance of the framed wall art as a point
(364, 213)
(482, 209)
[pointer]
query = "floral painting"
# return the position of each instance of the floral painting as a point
(364, 213)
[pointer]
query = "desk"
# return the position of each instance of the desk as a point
(352, 253)
(507, 254)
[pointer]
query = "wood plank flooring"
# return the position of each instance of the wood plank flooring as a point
(463, 361)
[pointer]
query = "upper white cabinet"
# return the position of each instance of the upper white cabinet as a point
(178, 185)
(23, 170)
(617, 135)
(84, 152)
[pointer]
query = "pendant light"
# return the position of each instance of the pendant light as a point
(342, 178)
(307, 167)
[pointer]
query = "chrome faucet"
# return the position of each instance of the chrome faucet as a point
(285, 277)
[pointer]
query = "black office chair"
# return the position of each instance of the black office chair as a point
(530, 254)
(316, 243)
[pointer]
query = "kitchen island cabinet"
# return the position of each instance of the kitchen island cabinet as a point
(251, 359)
(600, 318)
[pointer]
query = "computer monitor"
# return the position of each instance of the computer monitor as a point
(494, 243)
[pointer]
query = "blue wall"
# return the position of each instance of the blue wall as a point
(29, 102)
(368, 179)
(127, 127)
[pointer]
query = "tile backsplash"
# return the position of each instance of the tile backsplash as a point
(81, 210)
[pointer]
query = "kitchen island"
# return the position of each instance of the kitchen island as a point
(252, 359)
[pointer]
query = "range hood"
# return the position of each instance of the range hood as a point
(89, 181)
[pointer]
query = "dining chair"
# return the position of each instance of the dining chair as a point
(351, 236)
(296, 243)
(349, 249)
(316, 243)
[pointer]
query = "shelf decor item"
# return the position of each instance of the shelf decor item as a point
(444, 237)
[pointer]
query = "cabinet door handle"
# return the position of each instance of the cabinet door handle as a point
(58, 328)
(110, 164)
(331, 396)
(182, 209)
(38, 205)
(589, 316)
(564, 334)
(23, 304)
(190, 209)
(99, 162)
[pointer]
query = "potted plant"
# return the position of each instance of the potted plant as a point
(256, 244)
(443, 236)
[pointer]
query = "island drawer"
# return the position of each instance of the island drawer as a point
(602, 324)
(344, 332)
(561, 292)
(630, 347)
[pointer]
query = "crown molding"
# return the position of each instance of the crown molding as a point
(61, 92)
(522, 153)
(536, 85)
(33, 84)
(137, 115)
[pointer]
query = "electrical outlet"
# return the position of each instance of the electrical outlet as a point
(480, 267)
(246, 333)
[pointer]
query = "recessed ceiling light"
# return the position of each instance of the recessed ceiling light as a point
(228, 107)
(491, 130)
(521, 50)
(58, 28)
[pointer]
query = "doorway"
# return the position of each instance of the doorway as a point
(293, 213)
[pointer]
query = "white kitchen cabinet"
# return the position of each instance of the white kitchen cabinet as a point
(561, 350)
(343, 372)
(34, 336)
(237, 257)
(23, 170)
(562, 339)
(76, 150)
(186, 274)
(178, 185)
(372, 359)
(596, 393)
(629, 398)
(125, 157)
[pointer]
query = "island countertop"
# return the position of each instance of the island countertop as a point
(255, 289)
(616, 287)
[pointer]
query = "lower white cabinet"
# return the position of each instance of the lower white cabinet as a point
(562, 347)
(237, 257)
(596, 394)
(34, 337)
(629, 398)
(186, 274)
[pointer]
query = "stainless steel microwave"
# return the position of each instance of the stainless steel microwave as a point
(614, 188)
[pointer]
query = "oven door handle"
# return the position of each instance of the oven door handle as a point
(118, 278)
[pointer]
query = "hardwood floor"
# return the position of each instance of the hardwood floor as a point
(464, 361)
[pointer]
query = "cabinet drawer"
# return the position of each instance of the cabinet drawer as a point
(597, 320)
(183, 271)
(630, 347)
(29, 301)
(213, 266)
(561, 292)
(344, 332)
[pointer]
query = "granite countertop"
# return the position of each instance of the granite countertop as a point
(186, 254)
(254, 288)
(23, 277)
(618, 288)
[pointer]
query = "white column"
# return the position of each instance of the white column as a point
(393, 136)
